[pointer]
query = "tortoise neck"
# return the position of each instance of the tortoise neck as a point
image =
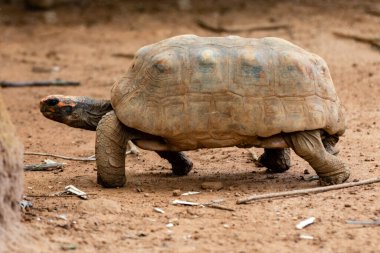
(92, 111)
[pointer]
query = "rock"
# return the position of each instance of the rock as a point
(213, 186)
(177, 192)
(174, 221)
(103, 206)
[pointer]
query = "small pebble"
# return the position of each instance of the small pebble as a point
(174, 221)
(177, 192)
(68, 246)
(307, 237)
(158, 210)
(62, 216)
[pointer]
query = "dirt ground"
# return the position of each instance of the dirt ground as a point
(78, 42)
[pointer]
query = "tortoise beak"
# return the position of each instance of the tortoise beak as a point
(49, 107)
(44, 106)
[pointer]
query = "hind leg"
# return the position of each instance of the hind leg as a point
(276, 160)
(308, 145)
(181, 164)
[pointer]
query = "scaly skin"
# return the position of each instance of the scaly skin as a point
(110, 147)
(308, 145)
(78, 112)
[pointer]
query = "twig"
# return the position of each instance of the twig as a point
(57, 82)
(217, 206)
(218, 29)
(133, 150)
(90, 158)
(41, 69)
(123, 55)
(364, 222)
(307, 191)
(54, 196)
(43, 166)
(375, 42)
(374, 12)
(212, 204)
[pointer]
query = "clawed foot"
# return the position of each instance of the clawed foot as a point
(182, 169)
(275, 160)
(112, 182)
(181, 165)
(334, 179)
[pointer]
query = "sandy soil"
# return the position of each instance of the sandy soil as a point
(80, 41)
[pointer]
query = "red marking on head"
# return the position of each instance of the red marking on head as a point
(62, 104)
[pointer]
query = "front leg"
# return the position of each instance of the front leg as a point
(111, 143)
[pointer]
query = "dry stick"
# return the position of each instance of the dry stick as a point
(90, 158)
(307, 191)
(55, 196)
(218, 29)
(217, 206)
(364, 222)
(124, 55)
(374, 12)
(57, 82)
(133, 150)
(43, 166)
(375, 42)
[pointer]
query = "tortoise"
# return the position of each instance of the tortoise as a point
(189, 92)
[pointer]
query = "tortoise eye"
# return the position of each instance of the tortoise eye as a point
(52, 102)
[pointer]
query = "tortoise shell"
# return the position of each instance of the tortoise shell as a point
(222, 91)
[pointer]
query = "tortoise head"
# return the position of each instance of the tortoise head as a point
(79, 112)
